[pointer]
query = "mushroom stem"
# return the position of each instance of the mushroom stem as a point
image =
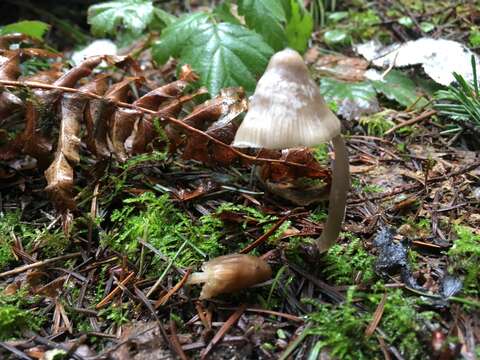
(338, 195)
(197, 278)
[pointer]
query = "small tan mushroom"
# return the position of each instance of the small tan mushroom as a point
(230, 273)
(286, 111)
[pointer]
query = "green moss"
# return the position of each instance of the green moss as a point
(250, 213)
(464, 257)
(341, 328)
(403, 323)
(368, 188)
(363, 24)
(372, 189)
(424, 224)
(116, 313)
(8, 223)
(413, 257)
(294, 246)
(320, 153)
(344, 27)
(16, 315)
(157, 221)
(474, 36)
(100, 286)
(154, 156)
(51, 242)
(12, 319)
(319, 215)
(34, 65)
(345, 261)
(377, 124)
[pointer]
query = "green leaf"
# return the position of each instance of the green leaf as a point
(350, 100)
(175, 36)
(427, 26)
(265, 17)
(299, 27)
(133, 15)
(161, 19)
(337, 16)
(474, 37)
(399, 87)
(336, 37)
(406, 21)
(335, 90)
(226, 55)
(33, 28)
(224, 13)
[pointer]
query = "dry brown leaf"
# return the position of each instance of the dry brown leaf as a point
(134, 137)
(36, 52)
(297, 192)
(59, 177)
(47, 76)
(153, 99)
(143, 131)
(48, 97)
(94, 113)
(9, 66)
(60, 173)
(9, 70)
(122, 120)
(99, 113)
(205, 187)
(217, 116)
(127, 63)
(121, 128)
(141, 340)
(9, 103)
(187, 74)
(69, 137)
(278, 172)
(291, 183)
(341, 67)
(6, 40)
(96, 126)
(29, 141)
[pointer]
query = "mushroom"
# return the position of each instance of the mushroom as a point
(286, 111)
(230, 273)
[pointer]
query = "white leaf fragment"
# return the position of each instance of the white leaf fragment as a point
(97, 47)
(438, 57)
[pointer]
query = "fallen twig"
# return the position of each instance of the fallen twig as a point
(377, 316)
(265, 236)
(223, 330)
(38, 264)
(175, 342)
(19, 354)
(115, 291)
(172, 291)
(271, 312)
(295, 343)
(415, 120)
(418, 186)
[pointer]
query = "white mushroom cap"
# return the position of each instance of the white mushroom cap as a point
(287, 109)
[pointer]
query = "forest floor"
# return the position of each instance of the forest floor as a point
(98, 270)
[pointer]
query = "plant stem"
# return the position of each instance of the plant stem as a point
(338, 195)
